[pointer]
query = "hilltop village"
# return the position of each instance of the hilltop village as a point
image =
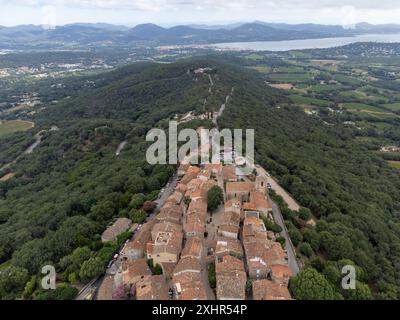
(190, 253)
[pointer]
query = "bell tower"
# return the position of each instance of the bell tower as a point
(261, 184)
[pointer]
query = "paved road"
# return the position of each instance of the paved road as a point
(293, 263)
(292, 259)
(293, 205)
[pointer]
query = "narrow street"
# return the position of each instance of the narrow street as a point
(276, 212)
(292, 259)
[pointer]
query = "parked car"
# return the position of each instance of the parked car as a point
(115, 258)
(269, 186)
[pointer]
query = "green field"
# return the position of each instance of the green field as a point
(309, 101)
(262, 69)
(393, 106)
(346, 79)
(8, 127)
(290, 77)
(394, 164)
(327, 87)
(361, 106)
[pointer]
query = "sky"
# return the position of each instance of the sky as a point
(174, 12)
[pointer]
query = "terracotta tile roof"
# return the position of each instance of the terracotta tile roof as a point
(197, 207)
(255, 255)
(170, 242)
(231, 218)
(233, 205)
(193, 169)
(205, 174)
(142, 238)
(188, 177)
(176, 197)
(229, 264)
(215, 168)
(232, 187)
(268, 290)
(152, 288)
(231, 279)
(150, 248)
(229, 173)
(193, 248)
(181, 188)
(275, 254)
(260, 201)
(228, 228)
(193, 291)
(168, 269)
(187, 280)
(118, 227)
(165, 226)
(256, 223)
(195, 223)
(226, 246)
(187, 264)
(250, 206)
(172, 213)
(231, 222)
(183, 168)
(281, 271)
(134, 270)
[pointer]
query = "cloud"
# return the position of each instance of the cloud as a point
(160, 5)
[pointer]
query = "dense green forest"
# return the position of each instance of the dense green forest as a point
(72, 186)
(353, 193)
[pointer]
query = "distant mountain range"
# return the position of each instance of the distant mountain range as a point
(32, 36)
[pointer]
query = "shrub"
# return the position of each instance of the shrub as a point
(306, 249)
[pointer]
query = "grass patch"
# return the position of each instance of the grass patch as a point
(309, 101)
(290, 77)
(393, 106)
(394, 164)
(5, 265)
(326, 87)
(8, 127)
(361, 107)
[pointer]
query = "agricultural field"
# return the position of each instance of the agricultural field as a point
(8, 127)
(361, 94)
(393, 106)
(394, 164)
(290, 77)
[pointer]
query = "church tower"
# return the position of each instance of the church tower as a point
(261, 184)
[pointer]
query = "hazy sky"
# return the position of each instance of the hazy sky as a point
(167, 12)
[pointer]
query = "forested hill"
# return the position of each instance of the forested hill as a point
(67, 191)
(354, 194)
